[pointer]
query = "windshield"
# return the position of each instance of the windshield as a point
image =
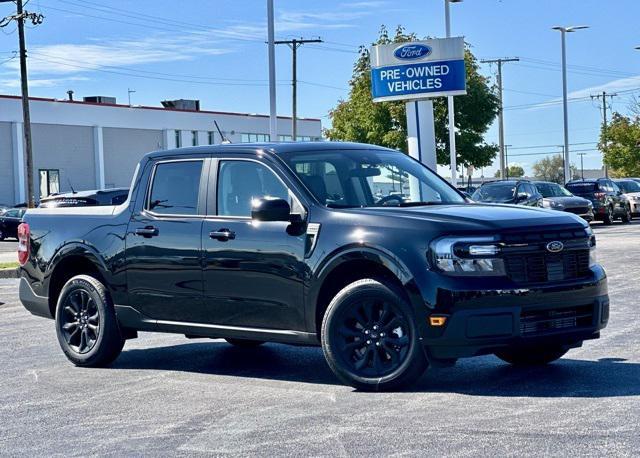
(369, 178)
(552, 190)
(502, 192)
(628, 186)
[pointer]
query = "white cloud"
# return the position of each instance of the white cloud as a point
(612, 86)
(14, 83)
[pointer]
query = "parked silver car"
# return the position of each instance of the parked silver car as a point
(559, 198)
(631, 190)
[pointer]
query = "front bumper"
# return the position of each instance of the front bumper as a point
(486, 321)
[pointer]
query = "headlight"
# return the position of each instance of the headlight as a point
(593, 258)
(552, 204)
(463, 256)
(635, 197)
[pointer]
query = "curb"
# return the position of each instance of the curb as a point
(8, 273)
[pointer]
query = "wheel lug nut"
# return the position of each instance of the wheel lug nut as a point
(377, 344)
(368, 342)
(366, 331)
(375, 328)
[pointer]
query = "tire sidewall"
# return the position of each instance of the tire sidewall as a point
(102, 303)
(348, 297)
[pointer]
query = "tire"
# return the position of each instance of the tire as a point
(532, 356)
(627, 217)
(369, 337)
(244, 343)
(608, 217)
(86, 323)
(2, 236)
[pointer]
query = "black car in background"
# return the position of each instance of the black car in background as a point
(631, 190)
(114, 196)
(516, 192)
(10, 221)
(559, 198)
(606, 197)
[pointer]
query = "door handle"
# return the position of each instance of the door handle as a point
(147, 232)
(223, 235)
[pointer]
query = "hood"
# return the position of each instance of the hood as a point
(569, 201)
(477, 217)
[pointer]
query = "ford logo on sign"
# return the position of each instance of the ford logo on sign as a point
(412, 52)
(555, 247)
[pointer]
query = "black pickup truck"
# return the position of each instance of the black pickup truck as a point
(356, 248)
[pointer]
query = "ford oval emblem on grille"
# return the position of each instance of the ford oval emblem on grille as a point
(555, 247)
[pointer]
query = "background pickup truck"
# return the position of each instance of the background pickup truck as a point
(356, 248)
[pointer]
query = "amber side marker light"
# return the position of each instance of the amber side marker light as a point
(437, 320)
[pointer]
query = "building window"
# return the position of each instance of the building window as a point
(299, 138)
(49, 182)
(194, 138)
(285, 138)
(255, 138)
(210, 137)
(178, 139)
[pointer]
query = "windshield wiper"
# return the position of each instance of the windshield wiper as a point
(420, 204)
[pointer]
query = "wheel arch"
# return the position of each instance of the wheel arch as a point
(73, 259)
(351, 264)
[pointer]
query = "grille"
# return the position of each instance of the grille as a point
(542, 267)
(543, 321)
(578, 210)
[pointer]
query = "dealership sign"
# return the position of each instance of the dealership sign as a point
(418, 69)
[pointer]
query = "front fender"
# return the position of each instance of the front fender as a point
(359, 252)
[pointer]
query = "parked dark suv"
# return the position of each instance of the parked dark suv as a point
(606, 197)
(114, 196)
(516, 192)
(356, 248)
(9, 222)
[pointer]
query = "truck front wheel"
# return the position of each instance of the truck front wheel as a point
(532, 356)
(86, 323)
(369, 337)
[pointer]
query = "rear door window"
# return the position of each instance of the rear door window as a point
(175, 188)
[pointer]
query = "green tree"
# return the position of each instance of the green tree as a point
(620, 143)
(359, 119)
(515, 171)
(551, 168)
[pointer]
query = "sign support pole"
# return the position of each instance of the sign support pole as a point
(421, 138)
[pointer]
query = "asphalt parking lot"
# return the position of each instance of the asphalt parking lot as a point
(167, 395)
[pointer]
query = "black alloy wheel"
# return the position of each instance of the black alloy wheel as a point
(86, 324)
(80, 321)
(374, 338)
(370, 339)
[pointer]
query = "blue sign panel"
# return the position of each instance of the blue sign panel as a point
(418, 80)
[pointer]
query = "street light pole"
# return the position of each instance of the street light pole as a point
(582, 164)
(273, 116)
(450, 105)
(563, 32)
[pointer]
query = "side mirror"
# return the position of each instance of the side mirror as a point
(270, 209)
(522, 196)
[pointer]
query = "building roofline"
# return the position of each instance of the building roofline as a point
(143, 107)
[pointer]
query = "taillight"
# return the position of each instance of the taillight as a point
(24, 245)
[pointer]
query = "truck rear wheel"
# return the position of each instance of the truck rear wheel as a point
(369, 338)
(532, 356)
(86, 323)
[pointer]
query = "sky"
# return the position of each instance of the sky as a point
(214, 51)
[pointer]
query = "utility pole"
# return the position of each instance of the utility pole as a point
(503, 163)
(20, 17)
(273, 115)
(129, 92)
(294, 45)
(604, 96)
(582, 164)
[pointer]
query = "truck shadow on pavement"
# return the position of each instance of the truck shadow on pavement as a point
(482, 376)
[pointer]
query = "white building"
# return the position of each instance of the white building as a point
(91, 145)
